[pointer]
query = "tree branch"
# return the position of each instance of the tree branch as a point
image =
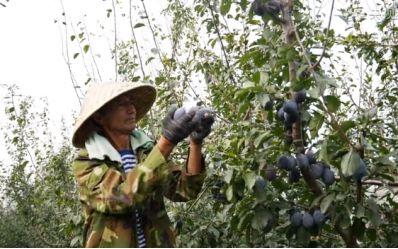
(221, 42)
(65, 54)
(153, 35)
(327, 33)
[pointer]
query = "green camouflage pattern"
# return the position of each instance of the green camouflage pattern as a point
(109, 195)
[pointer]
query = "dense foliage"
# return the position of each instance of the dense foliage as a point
(245, 60)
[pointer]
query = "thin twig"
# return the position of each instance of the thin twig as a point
(136, 43)
(91, 51)
(333, 120)
(115, 38)
(348, 92)
(81, 50)
(153, 35)
(221, 42)
(327, 34)
(142, 67)
(65, 55)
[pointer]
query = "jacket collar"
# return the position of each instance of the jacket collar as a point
(98, 147)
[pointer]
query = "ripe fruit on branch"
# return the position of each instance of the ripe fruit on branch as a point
(311, 157)
(319, 217)
(302, 161)
(286, 162)
(317, 170)
(328, 176)
(291, 108)
(300, 96)
(308, 220)
(296, 219)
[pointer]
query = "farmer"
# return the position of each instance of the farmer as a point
(122, 175)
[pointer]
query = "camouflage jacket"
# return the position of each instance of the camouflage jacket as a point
(109, 195)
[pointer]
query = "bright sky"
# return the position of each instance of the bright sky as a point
(32, 44)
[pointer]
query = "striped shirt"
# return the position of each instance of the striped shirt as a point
(129, 161)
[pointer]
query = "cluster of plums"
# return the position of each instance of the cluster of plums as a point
(289, 113)
(318, 170)
(307, 220)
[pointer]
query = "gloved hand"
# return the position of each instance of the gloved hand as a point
(203, 120)
(176, 130)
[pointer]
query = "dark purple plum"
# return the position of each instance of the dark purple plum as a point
(308, 220)
(328, 176)
(317, 170)
(296, 219)
(318, 216)
(300, 96)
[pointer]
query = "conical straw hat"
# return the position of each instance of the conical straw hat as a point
(143, 96)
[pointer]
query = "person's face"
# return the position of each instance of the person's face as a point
(118, 116)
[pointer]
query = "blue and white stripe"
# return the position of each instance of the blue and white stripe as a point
(129, 161)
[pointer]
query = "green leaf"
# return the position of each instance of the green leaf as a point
(360, 212)
(75, 242)
(225, 7)
(324, 81)
(138, 25)
(261, 218)
(229, 193)
(250, 179)
(316, 123)
(350, 163)
(72, 37)
(228, 176)
(326, 202)
(245, 221)
(345, 221)
(346, 125)
(323, 154)
(86, 48)
(256, 77)
(315, 202)
(259, 139)
(75, 55)
(373, 212)
(243, 4)
(332, 103)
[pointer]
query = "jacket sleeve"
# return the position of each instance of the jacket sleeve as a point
(182, 185)
(103, 187)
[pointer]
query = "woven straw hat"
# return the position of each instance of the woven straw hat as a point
(143, 96)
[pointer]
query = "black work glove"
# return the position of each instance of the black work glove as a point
(203, 120)
(176, 130)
